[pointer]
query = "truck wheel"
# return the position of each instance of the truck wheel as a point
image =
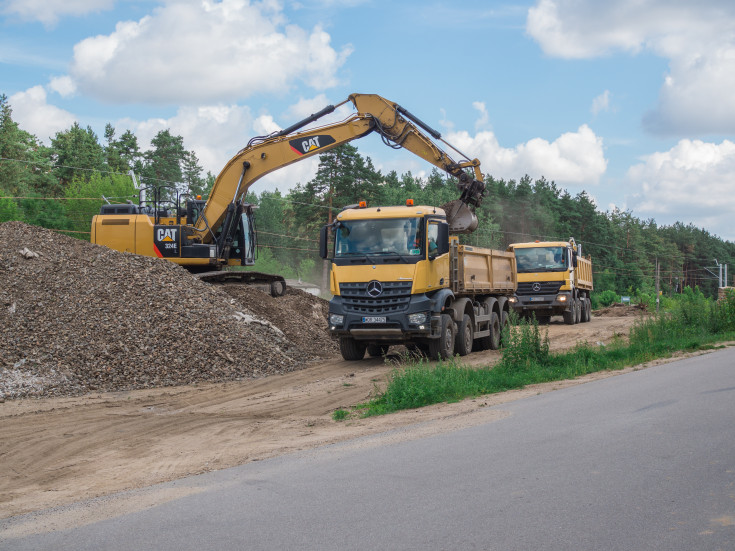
(351, 349)
(443, 347)
(569, 315)
(377, 350)
(587, 310)
(492, 341)
(577, 311)
(465, 336)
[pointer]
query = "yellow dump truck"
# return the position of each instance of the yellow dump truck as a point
(399, 278)
(553, 279)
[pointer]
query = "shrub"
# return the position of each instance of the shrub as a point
(606, 298)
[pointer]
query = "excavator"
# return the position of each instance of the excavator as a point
(211, 237)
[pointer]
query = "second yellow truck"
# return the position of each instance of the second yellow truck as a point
(553, 279)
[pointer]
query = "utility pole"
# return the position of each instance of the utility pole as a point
(720, 276)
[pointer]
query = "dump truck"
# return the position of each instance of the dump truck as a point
(399, 278)
(553, 279)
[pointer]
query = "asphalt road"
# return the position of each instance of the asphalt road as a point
(642, 461)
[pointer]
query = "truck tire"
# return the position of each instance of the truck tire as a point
(577, 311)
(492, 341)
(570, 315)
(588, 309)
(443, 347)
(377, 350)
(465, 336)
(351, 349)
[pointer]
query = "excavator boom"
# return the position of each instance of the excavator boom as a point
(397, 127)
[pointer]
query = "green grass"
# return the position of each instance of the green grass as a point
(693, 325)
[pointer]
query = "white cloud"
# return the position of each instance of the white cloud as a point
(49, 12)
(601, 103)
(697, 39)
(484, 119)
(691, 182)
(64, 86)
(34, 115)
(202, 52)
(573, 159)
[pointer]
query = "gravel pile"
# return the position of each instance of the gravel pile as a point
(76, 317)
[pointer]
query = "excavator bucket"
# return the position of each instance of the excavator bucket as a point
(459, 217)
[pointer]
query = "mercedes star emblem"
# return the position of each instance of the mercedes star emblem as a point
(374, 288)
(536, 287)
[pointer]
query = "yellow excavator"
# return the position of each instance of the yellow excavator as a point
(208, 237)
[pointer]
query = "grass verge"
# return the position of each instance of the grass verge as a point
(526, 359)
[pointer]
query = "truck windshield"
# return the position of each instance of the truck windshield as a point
(378, 237)
(541, 259)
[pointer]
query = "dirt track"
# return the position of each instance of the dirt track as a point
(56, 451)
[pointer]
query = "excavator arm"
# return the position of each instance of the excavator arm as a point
(397, 127)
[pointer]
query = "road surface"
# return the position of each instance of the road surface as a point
(645, 460)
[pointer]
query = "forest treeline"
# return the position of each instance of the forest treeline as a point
(62, 185)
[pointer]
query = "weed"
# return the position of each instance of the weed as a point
(340, 414)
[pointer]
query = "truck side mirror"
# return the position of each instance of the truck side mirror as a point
(442, 240)
(574, 259)
(323, 238)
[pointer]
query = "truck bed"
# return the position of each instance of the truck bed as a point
(584, 273)
(477, 270)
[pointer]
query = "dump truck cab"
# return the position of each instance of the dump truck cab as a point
(385, 261)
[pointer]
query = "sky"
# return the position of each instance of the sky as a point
(630, 101)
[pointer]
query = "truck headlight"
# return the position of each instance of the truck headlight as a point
(513, 300)
(561, 298)
(415, 319)
(336, 319)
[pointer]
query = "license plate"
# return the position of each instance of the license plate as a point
(537, 299)
(373, 319)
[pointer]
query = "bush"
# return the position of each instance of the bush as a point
(605, 298)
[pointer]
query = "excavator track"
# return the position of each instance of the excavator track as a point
(274, 284)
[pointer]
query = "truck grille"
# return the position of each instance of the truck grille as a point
(546, 288)
(395, 297)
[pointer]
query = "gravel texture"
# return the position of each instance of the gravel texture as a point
(77, 317)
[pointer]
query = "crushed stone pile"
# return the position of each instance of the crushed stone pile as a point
(77, 317)
(301, 316)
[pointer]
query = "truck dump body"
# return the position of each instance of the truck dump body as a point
(476, 270)
(583, 273)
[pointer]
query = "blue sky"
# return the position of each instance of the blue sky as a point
(628, 100)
